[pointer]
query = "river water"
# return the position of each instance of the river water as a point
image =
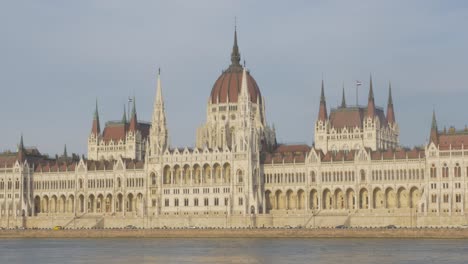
(180, 250)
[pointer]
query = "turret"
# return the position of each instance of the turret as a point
(21, 155)
(133, 119)
(235, 55)
(158, 133)
(390, 112)
(96, 128)
(343, 99)
(434, 136)
(322, 115)
(371, 102)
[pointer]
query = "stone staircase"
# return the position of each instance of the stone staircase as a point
(86, 221)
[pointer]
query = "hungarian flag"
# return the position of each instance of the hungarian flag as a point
(358, 83)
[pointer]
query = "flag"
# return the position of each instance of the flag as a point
(358, 83)
(130, 100)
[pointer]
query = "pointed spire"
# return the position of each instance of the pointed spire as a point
(21, 151)
(134, 107)
(434, 136)
(21, 144)
(124, 116)
(244, 93)
(371, 102)
(158, 133)
(390, 99)
(322, 115)
(343, 99)
(96, 128)
(235, 55)
(390, 111)
(434, 121)
(159, 96)
(65, 154)
(371, 90)
(133, 120)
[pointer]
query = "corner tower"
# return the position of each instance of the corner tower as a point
(158, 133)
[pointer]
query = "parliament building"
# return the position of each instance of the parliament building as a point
(355, 173)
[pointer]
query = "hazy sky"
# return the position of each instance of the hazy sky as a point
(57, 57)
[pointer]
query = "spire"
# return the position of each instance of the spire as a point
(322, 115)
(434, 136)
(21, 155)
(159, 96)
(21, 144)
(390, 111)
(158, 133)
(244, 93)
(134, 107)
(133, 120)
(371, 102)
(343, 99)
(124, 116)
(96, 129)
(235, 55)
(65, 154)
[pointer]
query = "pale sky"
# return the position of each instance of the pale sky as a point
(57, 57)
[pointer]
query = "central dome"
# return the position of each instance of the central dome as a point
(227, 87)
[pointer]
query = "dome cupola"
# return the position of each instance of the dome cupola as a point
(227, 87)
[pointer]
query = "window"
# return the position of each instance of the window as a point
(445, 171)
(433, 171)
(195, 202)
(363, 175)
(433, 185)
(153, 202)
(458, 198)
(457, 185)
(216, 201)
(446, 198)
(226, 201)
(457, 170)
(241, 201)
(206, 202)
(434, 198)
(176, 202)
(186, 202)
(166, 202)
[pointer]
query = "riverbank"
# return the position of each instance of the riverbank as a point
(439, 233)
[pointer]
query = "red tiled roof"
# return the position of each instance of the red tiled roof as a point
(454, 140)
(117, 131)
(229, 85)
(352, 117)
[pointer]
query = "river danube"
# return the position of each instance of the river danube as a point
(180, 250)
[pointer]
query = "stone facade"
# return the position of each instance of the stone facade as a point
(355, 174)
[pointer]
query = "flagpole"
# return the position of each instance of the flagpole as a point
(357, 104)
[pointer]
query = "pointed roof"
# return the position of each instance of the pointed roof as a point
(371, 102)
(343, 99)
(322, 115)
(96, 128)
(390, 110)
(244, 93)
(65, 154)
(159, 95)
(434, 135)
(227, 87)
(21, 155)
(133, 120)
(235, 55)
(124, 116)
